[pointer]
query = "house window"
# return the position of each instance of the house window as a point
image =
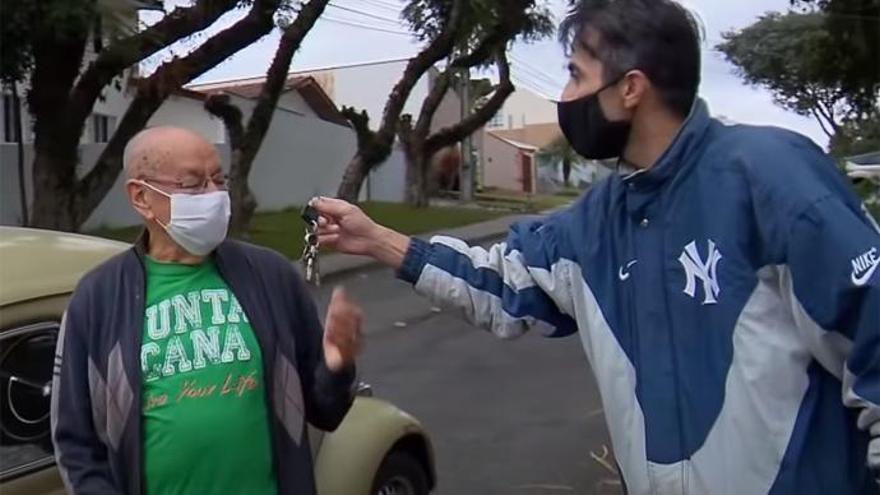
(10, 113)
(102, 127)
(497, 120)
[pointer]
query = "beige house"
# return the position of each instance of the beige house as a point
(506, 147)
(509, 164)
(523, 108)
(538, 135)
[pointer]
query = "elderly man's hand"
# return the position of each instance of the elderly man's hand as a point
(342, 331)
(346, 228)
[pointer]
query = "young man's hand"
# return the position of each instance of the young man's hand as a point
(346, 228)
(342, 332)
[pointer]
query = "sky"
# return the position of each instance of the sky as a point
(353, 31)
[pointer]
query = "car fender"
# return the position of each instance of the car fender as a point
(350, 456)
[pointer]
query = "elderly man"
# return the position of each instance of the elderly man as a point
(726, 286)
(190, 363)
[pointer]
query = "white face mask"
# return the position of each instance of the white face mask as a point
(199, 222)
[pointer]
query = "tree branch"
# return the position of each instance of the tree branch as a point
(484, 49)
(405, 130)
(221, 107)
(823, 115)
(124, 53)
(821, 121)
(471, 123)
(276, 78)
(827, 110)
(361, 123)
(417, 66)
(432, 102)
(154, 90)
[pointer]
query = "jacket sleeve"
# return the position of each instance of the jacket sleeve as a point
(327, 395)
(834, 258)
(79, 453)
(507, 288)
(829, 250)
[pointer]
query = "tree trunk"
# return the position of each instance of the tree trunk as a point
(416, 194)
(352, 179)
(57, 61)
(375, 147)
(53, 206)
(243, 199)
(19, 141)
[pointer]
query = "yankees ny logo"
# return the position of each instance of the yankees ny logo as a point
(695, 268)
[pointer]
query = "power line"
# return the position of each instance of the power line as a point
(363, 26)
(365, 14)
(535, 72)
(532, 85)
(388, 5)
(381, 5)
(538, 78)
(542, 92)
(533, 68)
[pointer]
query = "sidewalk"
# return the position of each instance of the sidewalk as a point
(337, 265)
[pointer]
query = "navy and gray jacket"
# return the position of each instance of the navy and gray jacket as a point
(728, 300)
(96, 394)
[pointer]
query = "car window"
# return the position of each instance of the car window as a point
(26, 360)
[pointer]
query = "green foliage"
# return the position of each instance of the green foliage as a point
(528, 20)
(854, 26)
(559, 150)
(790, 54)
(856, 138)
(27, 20)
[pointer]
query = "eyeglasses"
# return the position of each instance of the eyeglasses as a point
(192, 186)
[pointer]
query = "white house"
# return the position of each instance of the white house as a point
(304, 153)
(366, 86)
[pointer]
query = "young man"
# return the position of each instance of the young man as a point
(725, 284)
(190, 363)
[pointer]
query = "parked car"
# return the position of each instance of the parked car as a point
(377, 450)
(865, 166)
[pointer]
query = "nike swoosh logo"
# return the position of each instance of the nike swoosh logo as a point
(623, 273)
(863, 279)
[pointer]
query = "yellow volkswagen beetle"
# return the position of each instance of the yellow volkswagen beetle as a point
(378, 449)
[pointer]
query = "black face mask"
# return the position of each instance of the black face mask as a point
(587, 129)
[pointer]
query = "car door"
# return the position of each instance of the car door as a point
(27, 465)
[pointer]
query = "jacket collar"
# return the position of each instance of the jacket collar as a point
(670, 162)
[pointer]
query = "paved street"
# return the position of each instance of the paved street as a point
(518, 417)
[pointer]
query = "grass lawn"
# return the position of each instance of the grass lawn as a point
(283, 231)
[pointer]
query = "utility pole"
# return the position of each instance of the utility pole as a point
(466, 169)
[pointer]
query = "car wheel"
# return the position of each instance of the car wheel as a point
(400, 474)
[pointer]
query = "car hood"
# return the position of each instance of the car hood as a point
(39, 263)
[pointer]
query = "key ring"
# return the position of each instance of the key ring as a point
(312, 244)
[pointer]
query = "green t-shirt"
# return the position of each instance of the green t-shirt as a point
(204, 410)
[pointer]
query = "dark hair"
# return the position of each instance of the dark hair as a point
(658, 37)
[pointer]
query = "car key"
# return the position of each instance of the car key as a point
(310, 251)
